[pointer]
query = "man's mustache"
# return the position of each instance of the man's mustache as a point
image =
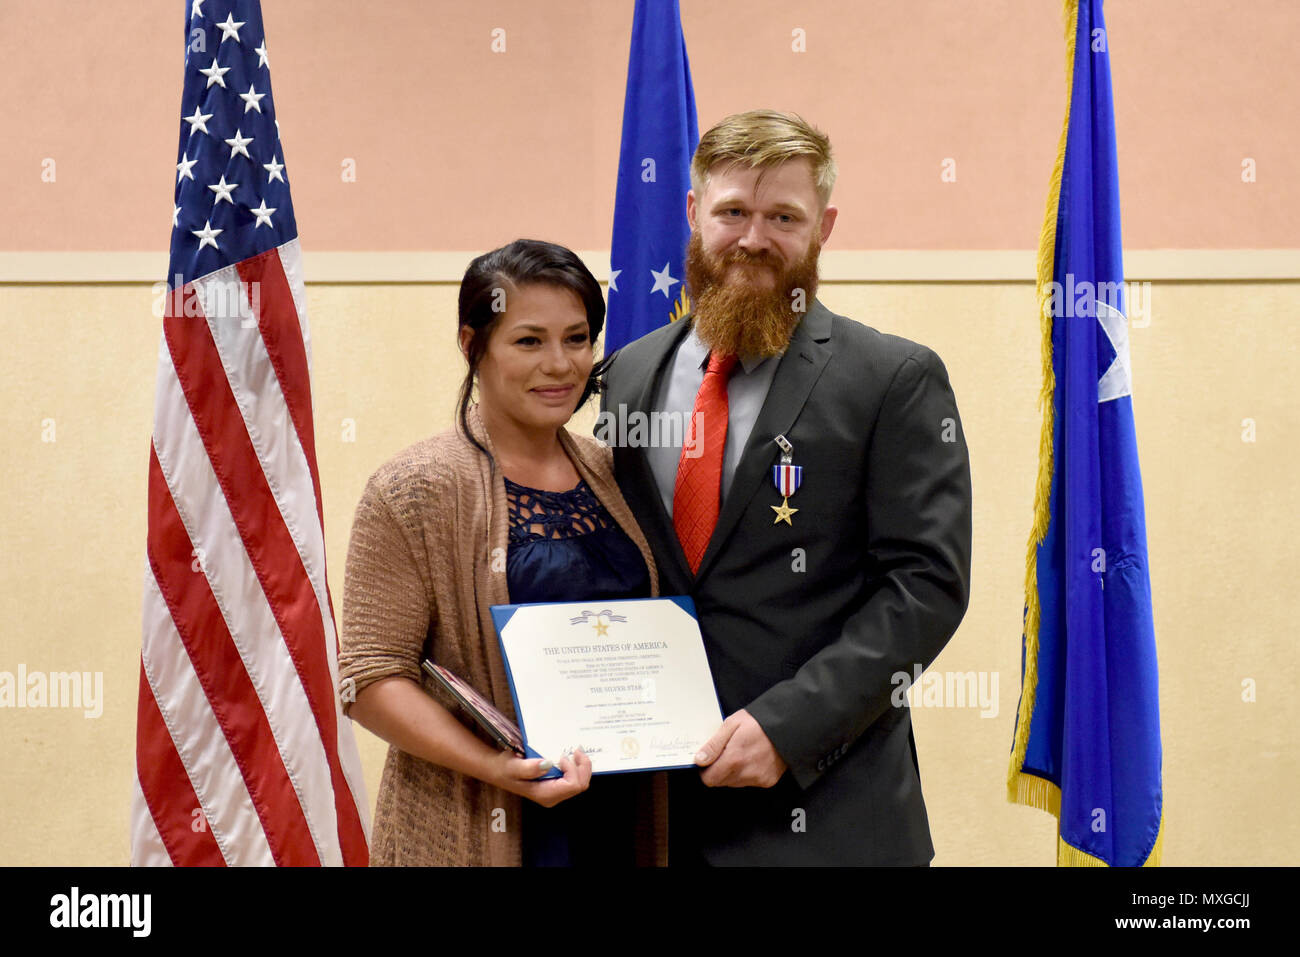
(742, 258)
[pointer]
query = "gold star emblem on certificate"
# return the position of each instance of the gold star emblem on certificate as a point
(601, 627)
(783, 512)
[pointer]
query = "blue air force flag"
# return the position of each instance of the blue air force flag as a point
(1087, 739)
(660, 132)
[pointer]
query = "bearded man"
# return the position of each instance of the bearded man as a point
(818, 513)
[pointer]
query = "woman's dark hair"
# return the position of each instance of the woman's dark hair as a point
(488, 280)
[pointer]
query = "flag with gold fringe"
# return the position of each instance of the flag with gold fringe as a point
(1087, 738)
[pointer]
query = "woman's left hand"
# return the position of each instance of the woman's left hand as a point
(518, 776)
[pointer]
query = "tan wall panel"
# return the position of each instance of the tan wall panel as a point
(1222, 523)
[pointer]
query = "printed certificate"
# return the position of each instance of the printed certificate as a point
(626, 681)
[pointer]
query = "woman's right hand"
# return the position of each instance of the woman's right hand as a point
(517, 775)
(399, 711)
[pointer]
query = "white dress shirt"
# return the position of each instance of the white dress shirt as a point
(746, 392)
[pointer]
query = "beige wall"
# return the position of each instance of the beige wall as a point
(457, 148)
(1222, 523)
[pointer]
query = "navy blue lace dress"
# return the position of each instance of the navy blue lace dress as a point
(565, 547)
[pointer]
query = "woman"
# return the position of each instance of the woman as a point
(504, 507)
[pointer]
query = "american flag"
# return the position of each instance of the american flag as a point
(243, 755)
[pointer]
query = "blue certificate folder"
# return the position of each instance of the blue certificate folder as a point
(590, 627)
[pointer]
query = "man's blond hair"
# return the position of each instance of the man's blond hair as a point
(763, 139)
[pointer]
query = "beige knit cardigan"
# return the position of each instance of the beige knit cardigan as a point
(426, 560)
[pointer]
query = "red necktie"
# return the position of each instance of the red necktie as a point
(699, 474)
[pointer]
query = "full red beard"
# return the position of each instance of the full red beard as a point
(735, 317)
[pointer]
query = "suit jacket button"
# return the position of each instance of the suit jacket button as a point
(821, 765)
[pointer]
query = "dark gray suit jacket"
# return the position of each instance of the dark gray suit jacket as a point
(806, 625)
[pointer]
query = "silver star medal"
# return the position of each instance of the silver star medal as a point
(786, 477)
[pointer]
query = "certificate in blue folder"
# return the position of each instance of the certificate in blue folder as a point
(626, 681)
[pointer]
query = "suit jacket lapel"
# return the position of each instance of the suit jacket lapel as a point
(652, 373)
(800, 368)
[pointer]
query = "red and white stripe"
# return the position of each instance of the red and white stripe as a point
(787, 478)
(243, 755)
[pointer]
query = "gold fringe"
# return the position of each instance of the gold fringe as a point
(1017, 787)
(1037, 792)
(681, 307)
(1158, 848)
(1046, 796)
(1069, 856)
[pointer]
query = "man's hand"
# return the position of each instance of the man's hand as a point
(739, 755)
